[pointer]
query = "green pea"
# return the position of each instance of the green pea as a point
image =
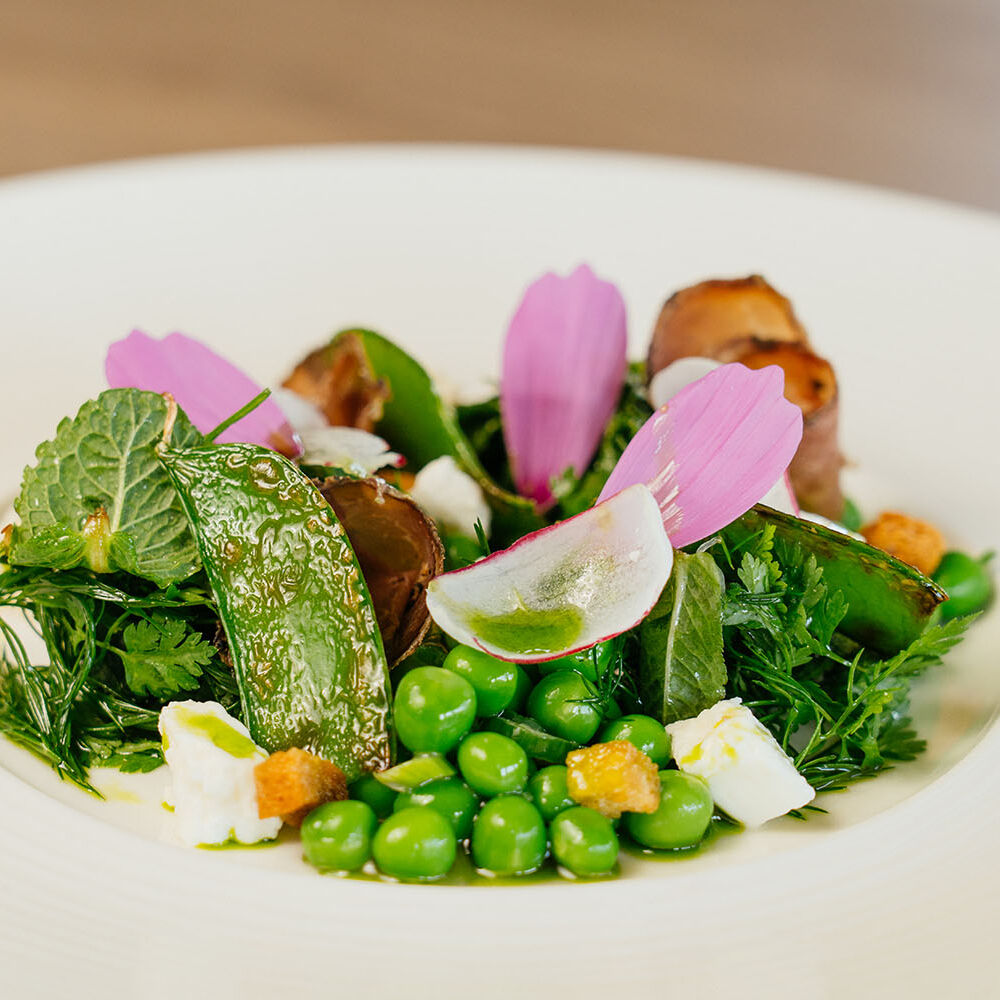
(493, 764)
(643, 732)
(522, 690)
(584, 841)
(450, 797)
(563, 703)
(337, 836)
(682, 817)
(495, 681)
(415, 844)
(374, 793)
(549, 791)
(433, 709)
(966, 581)
(592, 663)
(508, 837)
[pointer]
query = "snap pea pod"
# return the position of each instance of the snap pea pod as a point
(890, 602)
(302, 632)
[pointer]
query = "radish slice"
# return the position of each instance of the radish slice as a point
(563, 588)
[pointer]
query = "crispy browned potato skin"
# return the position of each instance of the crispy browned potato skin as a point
(399, 551)
(715, 318)
(746, 320)
(339, 382)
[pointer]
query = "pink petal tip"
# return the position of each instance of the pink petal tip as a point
(563, 368)
(713, 451)
(207, 387)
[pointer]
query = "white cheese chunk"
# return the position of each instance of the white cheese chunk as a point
(748, 773)
(669, 381)
(453, 499)
(211, 758)
(349, 448)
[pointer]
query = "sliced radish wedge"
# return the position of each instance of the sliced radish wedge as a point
(563, 588)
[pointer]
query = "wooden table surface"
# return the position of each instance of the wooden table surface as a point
(904, 93)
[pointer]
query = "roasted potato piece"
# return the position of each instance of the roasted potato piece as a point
(291, 783)
(339, 381)
(613, 778)
(399, 551)
(716, 319)
(914, 541)
(811, 384)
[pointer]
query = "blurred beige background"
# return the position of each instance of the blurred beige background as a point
(904, 93)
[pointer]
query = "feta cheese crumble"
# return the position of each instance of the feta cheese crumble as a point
(211, 758)
(748, 773)
(453, 499)
(349, 448)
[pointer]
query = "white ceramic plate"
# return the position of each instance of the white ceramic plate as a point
(263, 255)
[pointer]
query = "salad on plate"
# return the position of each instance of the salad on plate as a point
(602, 606)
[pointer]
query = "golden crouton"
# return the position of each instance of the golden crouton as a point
(291, 783)
(613, 778)
(916, 542)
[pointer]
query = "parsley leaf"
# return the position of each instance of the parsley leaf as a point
(162, 656)
(838, 709)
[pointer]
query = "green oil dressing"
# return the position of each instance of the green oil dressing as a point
(223, 736)
(464, 872)
(529, 631)
(235, 845)
(286, 835)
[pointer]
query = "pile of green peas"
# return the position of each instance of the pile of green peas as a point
(486, 779)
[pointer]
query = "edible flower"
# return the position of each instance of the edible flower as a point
(679, 374)
(207, 387)
(697, 464)
(563, 368)
(712, 452)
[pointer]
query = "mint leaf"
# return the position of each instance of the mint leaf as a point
(99, 498)
(162, 656)
(682, 670)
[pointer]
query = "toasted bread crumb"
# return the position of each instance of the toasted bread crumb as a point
(907, 538)
(613, 778)
(291, 783)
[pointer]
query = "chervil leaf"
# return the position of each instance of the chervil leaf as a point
(99, 498)
(162, 656)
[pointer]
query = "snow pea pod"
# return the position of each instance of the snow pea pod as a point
(890, 602)
(302, 632)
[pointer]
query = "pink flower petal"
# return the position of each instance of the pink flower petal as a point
(713, 451)
(563, 367)
(207, 387)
